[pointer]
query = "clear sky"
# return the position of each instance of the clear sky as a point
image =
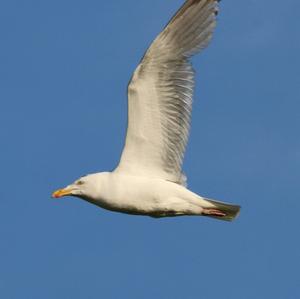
(64, 67)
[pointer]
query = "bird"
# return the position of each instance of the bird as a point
(149, 180)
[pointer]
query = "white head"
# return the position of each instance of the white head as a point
(86, 187)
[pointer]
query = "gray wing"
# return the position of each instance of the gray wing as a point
(160, 95)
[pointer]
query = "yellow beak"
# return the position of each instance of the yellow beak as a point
(62, 192)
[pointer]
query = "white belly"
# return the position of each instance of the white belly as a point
(153, 197)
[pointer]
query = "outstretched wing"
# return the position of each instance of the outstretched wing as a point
(160, 95)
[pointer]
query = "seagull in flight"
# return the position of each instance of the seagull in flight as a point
(149, 180)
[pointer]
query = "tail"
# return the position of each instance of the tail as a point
(223, 211)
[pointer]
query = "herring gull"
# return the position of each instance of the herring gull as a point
(149, 179)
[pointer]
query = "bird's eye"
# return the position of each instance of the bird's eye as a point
(79, 182)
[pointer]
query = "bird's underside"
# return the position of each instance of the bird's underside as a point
(138, 195)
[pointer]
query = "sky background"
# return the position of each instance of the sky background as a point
(64, 68)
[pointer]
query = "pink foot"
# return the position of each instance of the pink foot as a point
(213, 212)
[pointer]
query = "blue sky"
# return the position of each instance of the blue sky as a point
(64, 70)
